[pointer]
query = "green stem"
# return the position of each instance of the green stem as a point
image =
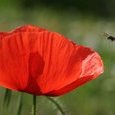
(20, 105)
(34, 105)
(57, 105)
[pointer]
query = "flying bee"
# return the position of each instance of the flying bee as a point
(109, 37)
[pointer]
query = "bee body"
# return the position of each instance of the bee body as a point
(109, 37)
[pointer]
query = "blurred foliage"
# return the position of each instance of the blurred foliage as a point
(102, 8)
(99, 7)
(78, 20)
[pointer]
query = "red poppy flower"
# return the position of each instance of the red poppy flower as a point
(40, 62)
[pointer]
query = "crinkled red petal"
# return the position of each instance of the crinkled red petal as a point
(40, 62)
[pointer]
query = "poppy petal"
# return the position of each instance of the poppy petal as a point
(40, 62)
(92, 66)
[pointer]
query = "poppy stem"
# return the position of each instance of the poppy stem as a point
(57, 105)
(34, 105)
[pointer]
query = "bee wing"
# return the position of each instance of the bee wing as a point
(106, 34)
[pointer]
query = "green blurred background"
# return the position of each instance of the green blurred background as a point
(82, 21)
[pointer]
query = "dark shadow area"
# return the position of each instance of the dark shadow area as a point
(36, 66)
(102, 8)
